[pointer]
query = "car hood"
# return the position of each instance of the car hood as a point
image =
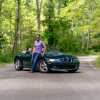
(57, 55)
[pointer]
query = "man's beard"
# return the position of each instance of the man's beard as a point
(38, 39)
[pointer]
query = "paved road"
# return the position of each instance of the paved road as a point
(83, 85)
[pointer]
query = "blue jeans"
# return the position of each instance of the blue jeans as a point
(35, 60)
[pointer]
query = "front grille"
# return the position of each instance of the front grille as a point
(63, 66)
(66, 59)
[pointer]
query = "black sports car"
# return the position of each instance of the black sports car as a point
(52, 61)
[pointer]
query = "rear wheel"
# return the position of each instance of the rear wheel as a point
(18, 65)
(43, 67)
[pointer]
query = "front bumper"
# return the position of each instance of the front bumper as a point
(67, 66)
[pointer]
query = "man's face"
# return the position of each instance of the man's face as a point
(37, 37)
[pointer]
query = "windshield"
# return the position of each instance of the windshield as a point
(54, 53)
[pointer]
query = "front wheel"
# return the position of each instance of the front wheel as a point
(18, 65)
(43, 67)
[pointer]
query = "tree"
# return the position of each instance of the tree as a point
(68, 25)
(81, 14)
(1, 2)
(17, 27)
(38, 12)
(60, 4)
(1, 35)
(49, 14)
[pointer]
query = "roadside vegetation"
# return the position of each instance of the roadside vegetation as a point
(70, 26)
(97, 62)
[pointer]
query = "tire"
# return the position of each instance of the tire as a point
(18, 65)
(74, 70)
(43, 67)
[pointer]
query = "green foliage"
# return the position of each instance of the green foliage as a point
(63, 44)
(66, 25)
(49, 21)
(6, 57)
(84, 16)
(95, 45)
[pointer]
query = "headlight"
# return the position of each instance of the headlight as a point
(51, 60)
(67, 59)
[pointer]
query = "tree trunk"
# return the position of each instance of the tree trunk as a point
(17, 28)
(38, 12)
(1, 1)
(83, 41)
(59, 7)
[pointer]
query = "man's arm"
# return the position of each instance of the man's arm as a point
(33, 49)
(44, 47)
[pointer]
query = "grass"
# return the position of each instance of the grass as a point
(2, 65)
(97, 62)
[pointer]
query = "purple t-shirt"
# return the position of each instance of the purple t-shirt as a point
(38, 46)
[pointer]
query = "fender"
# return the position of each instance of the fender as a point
(18, 57)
